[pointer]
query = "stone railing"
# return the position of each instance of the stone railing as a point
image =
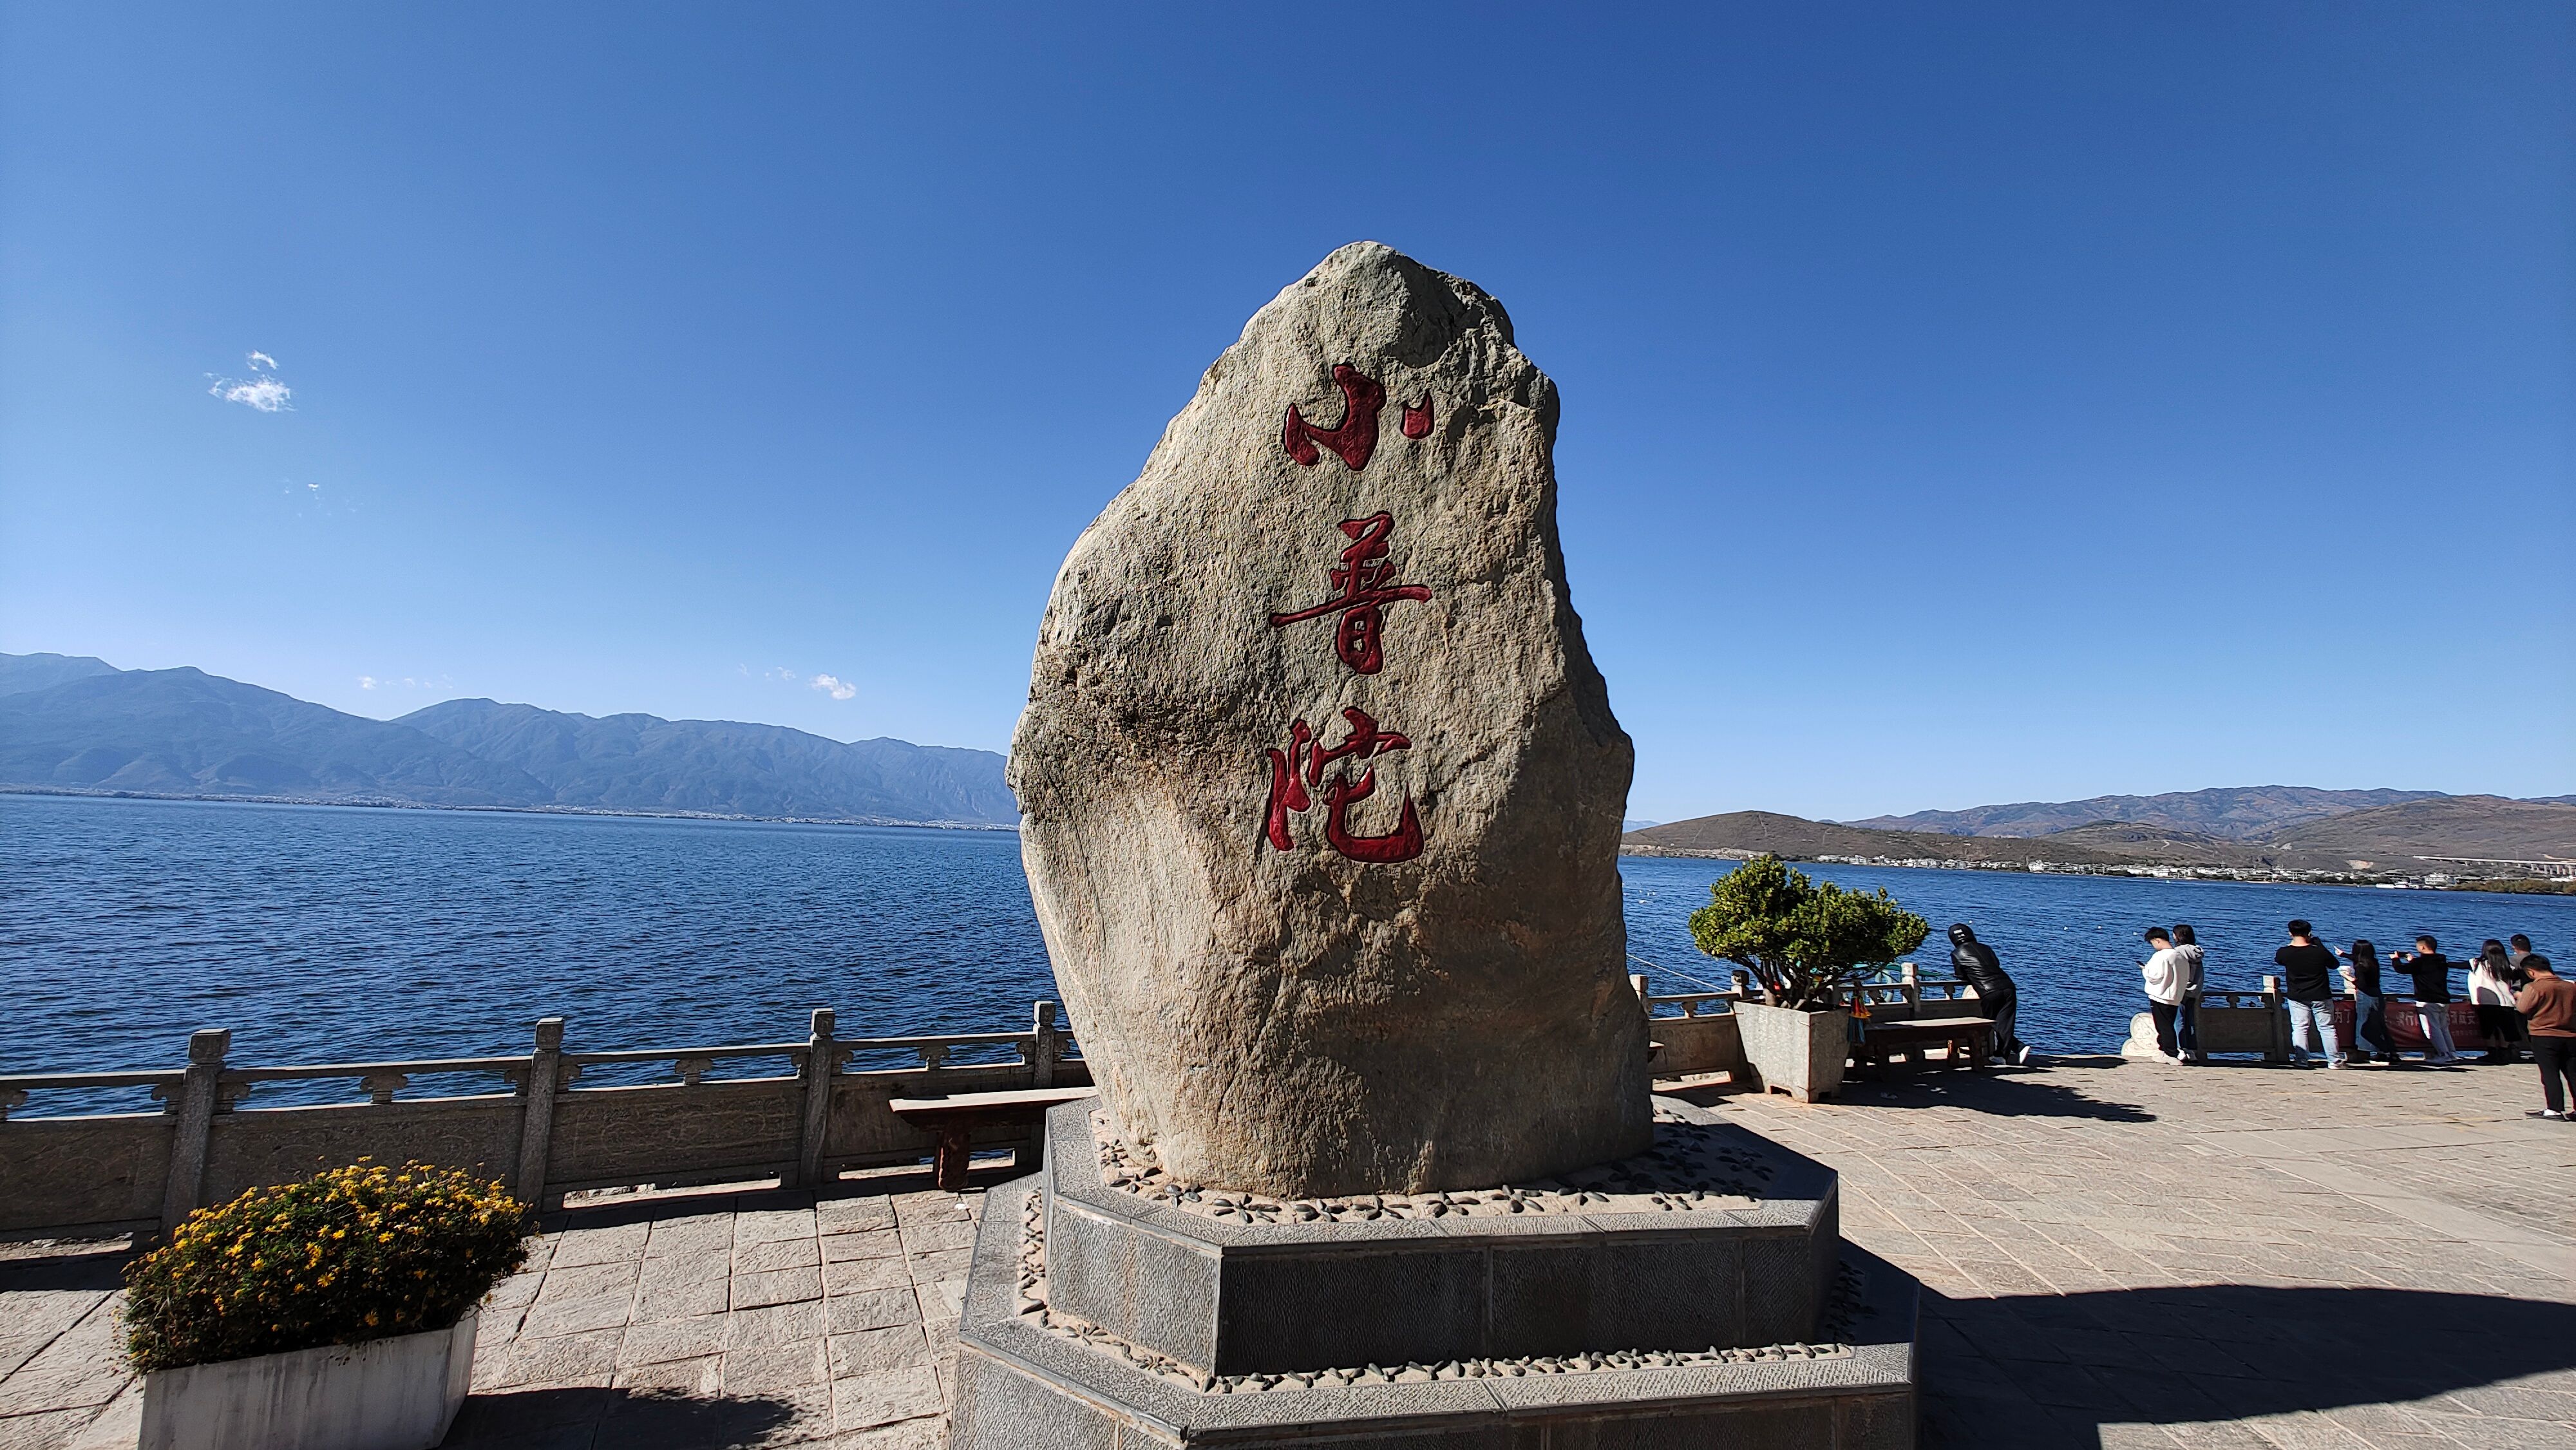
(670, 1117)
(1695, 1032)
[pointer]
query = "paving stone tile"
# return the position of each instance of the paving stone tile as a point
(834, 1216)
(780, 1286)
(868, 1351)
(82, 1369)
(930, 1268)
(616, 1244)
(930, 1235)
(774, 1324)
(800, 1253)
(760, 1369)
(927, 1434)
(515, 1292)
(884, 1398)
(872, 1309)
(689, 1268)
(44, 1429)
(699, 1377)
(574, 1316)
(884, 1243)
(699, 1233)
(560, 1361)
(682, 1301)
(676, 1340)
(588, 1281)
(761, 1226)
(843, 1278)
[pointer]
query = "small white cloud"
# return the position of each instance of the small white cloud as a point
(260, 391)
(267, 395)
(836, 688)
(366, 682)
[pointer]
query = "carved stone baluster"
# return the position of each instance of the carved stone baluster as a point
(691, 1069)
(1046, 1047)
(196, 1112)
(11, 1098)
(537, 1119)
(381, 1086)
(819, 1071)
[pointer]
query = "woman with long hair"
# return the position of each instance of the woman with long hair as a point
(2492, 980)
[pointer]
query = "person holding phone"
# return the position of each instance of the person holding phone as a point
(2431, 972)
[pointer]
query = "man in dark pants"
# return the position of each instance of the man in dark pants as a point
(1975, 963)
(2548, 1005)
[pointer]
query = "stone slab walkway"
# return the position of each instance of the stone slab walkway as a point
(2115, 1254)
(757, 1319)
(2127, 1254)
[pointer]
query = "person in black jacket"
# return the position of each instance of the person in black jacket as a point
(1975, 963)
(2432, 973)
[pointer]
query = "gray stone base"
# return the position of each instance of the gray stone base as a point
(1716, 1237)
(1029, 1379)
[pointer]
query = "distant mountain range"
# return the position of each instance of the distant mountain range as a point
(75, 723)
(2241, 813)
(2256, 831)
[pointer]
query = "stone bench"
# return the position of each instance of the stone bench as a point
(955, 1118)
(1967, 1038)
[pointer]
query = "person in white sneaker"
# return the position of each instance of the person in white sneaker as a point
(2432, 973)
(2548, 1005)
(2307, 985)
(2168, 979)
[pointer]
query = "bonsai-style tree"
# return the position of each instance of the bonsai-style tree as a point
(1807, 943)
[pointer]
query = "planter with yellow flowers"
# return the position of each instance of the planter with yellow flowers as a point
(338, 1312)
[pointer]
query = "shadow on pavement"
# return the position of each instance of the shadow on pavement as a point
(2039, 1372)
(2003, 1094)
(101, 1269)
(631, 1419)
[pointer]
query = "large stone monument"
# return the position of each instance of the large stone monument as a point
(1322, 792)
(1322, 798)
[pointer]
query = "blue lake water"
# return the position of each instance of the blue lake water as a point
(340, 934)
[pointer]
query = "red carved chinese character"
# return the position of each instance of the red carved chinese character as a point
(1367, 584)
(1302, 764)
(1356, 439)
(1417, 418)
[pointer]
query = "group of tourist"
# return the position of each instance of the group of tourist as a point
(2523, 1005)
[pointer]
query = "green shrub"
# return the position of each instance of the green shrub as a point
(1808, 943)
(358, 1253)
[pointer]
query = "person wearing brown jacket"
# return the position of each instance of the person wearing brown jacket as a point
(2548, 1007)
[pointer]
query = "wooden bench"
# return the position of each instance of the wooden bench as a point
(955, 1118)
(1967, 1038)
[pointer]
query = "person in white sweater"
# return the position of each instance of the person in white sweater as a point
(2168, 975)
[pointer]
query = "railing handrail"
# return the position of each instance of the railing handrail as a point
(290, 1071)
(23, 1080)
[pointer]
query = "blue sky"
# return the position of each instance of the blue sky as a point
(1962, 404)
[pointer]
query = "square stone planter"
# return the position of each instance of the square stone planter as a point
(1798, 1053)
(385, 1394)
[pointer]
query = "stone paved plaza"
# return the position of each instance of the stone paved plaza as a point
(2116, 1254)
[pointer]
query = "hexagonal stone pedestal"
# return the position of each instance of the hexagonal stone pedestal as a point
(1703, 1283)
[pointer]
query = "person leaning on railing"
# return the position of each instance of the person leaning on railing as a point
(2493, 980)
(2432, 974)
(2307, 983)
(2187, 1015)
(2369, 1010)
(2167, 981)
(1976, 965)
